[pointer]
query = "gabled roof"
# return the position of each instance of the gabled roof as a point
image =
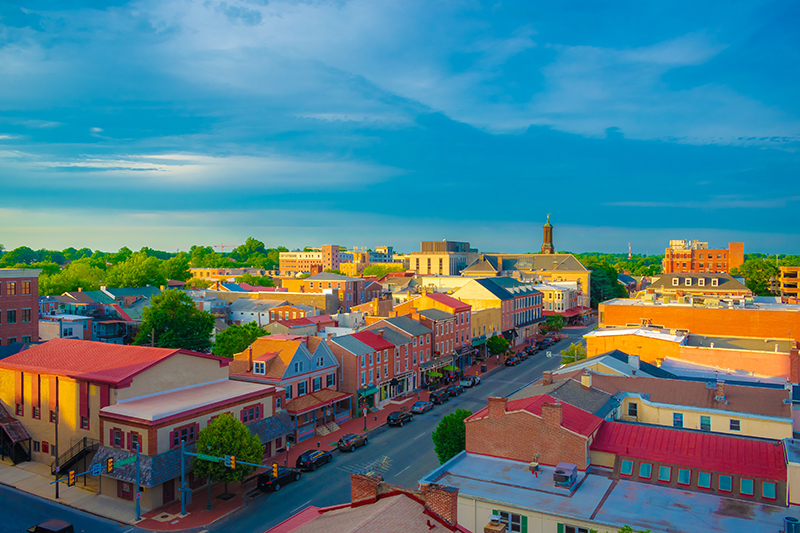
(373, 340)
(397, 338)
(330, 276)
(435, 314)
(494, 289)
(316, 319)
(725, 282)
(706, 451)
(570, 391)
(407, 325)
(352, 345)
(625, 279)
(574, 419)
(448, 300)
(100, 362)
(255, 306)
(277, 353)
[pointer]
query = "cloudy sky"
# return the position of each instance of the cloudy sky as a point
(168, 123)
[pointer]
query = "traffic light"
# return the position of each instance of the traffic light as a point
(71, 479)
(110, 467)
(274, 469)
(233, 462)
(228, 461)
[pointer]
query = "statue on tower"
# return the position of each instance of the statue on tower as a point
(547, 244)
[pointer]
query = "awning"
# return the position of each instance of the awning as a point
(450, 368)
(575, 311)
(315, 400)
(368, 391)
(437, 362)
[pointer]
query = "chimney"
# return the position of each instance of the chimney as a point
(497, 407)
(551, 414)
(80, 289)
(720, 396)
(794, 365)
(547, 377)
(330, 336)
(442, 500)
(380, 333)
(250, 358)
(363, 489)
(633, 360)
(586, 379)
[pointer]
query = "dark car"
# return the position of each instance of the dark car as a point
(350, 442)
(52, 526)
(512, 361)
(267, 481)
(439, 397)
(399, 418)
(522, 356)
(311, 459)
(421, 406)
(454, 390)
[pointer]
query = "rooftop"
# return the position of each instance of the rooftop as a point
(330, 276)
(352, 345)
(571, 391)
(574, 419)
(448, 300)
(650, 333)
(750, 306)
(741, 343)
(168, 404)
(600, 500)
(6, 273)
(436, 314)
(725, 282)
(373, 340)
(406, 324)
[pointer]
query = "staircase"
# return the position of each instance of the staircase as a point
(330, 427)
(76, 452)
(16, 451)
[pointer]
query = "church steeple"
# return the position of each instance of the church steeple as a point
(547, 244)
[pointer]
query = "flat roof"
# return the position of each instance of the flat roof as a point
(750, 306)
(741, 343)
(601, 500)
(641, 332)
(159, 406)
(20, 272)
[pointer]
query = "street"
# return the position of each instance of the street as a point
(402, 455)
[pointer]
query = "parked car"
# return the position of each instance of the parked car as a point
(311, 459)
(420, 407)
(522, 356)
(439, 397)
(52, 526)
(399, 418)
(470, 381)
(268, 482)
(512, 361)
(350, 442)
(454, 390)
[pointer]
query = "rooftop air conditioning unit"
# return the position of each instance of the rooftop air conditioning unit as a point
(565, 474)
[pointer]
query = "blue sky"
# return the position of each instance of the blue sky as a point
(168, 123)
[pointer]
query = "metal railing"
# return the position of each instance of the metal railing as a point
(75, 453)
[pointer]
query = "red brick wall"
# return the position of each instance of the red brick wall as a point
(519, 436)
(442, 500)
(19, 302)
(363, 489)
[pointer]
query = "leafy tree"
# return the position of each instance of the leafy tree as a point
(48, 267)
(496, 344)
(80, 274)
(757, 273)
(206, 257)
(136, 271)
(450, 436)
(177, 323)
(198, 283)
(227, 436)
(237, 338)
(554, 323)
(259, 260)
(381, 269)
(23, 254)
(304, 275)
(120, 257)
(605, 285)
(575, 352)
(176, 267)
(334, 271)
(262, 281)
(250, 247)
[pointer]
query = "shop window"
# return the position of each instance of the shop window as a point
(725, 483)
(677, 420)
(664, 473)
(746, 487)
(704, 480)
(645, 470)
(769, 490)
(626, 469)
(684, 476)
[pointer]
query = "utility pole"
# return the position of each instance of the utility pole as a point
(153, 338)
(55, 444)
(136, 488)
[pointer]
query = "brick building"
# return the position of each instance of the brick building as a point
(695, 256)
(19, 305)
(351, 291)
(320, 259)
(367, 366)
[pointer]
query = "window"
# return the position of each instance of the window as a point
(11, 316)
(259, 367)
(26, 316)
(688, 282)
(185, 434)
(385, 371)
(67, 332)
(36, 445)
(370, 360)
(363, 361)
(633, 409)
(251, 413)
(301, 388)
(736, 425)
(316, 384)
(677, 420)
(134, 441)
(684, 476)
(26, 338)
(725, 483)
(330, 379)
(701, 281)
(512, 521)
(277, 403)
(378, 357)
(574, 529)
(664, 473)
(298, 366)
(26, 287)
(20, 409)
(118, 436)
(714, 282)
(676, 282)
(36, 413)
(84, 422)
(768, 490)
(386, 355)
(704, 480)
(645, 470)
(52, 416)
(746, 486)
(363, 377)
(11, 288)
(626, 469)
(705, 423)
(288, 392)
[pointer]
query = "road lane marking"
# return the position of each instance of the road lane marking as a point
(403, 470)
(420, 436)
(302, 505)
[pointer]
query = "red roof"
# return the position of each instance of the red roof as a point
(295, 322)
(320, 318)
(706, 451)
(449, 301)
(376, 342)
(574, 419)
(100, 362)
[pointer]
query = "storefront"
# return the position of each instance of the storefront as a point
(431, 371)
(310, 411)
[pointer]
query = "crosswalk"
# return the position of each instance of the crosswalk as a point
(379, 466)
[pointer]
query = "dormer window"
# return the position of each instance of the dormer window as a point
(701, 282)
(688, 282)
(259, 367)
(676, 282)
(715, 282)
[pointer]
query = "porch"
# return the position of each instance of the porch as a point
(319, 412)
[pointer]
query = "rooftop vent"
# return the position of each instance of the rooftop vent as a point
(565, 475)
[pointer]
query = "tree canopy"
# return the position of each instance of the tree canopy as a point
(450, 436)
(757, 272)
(496, 344)
(223, 436)
(605, 285)
(237, 338)
(177, 323)
(554, 323)
(260, 281)
(381, 269)
(575, 352)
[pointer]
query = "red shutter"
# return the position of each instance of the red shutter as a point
(105, 400)
(19, 382)
(171, 439)
(53, 396)
(84, 398)
(130, 439)
(241, 415)
(196, 431)
(258, 412)
(35, 394)
(110, 437)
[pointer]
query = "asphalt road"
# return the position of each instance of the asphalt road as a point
(403, 455)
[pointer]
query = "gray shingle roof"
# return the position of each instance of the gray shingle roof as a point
(352, 345)
(570, 391)
(251, 305)
(725, 282)
(392, 335)
(330, 276)
(436, 314)
(407, 325)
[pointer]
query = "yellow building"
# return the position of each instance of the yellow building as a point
(790, 283)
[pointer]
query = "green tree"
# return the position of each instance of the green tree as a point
(176, 267)
(250, 247)
(304, 275)
(575, 352)
(757, 273)
(605, 285)
(206, 257)
(237, 338)
(23, 254)
(450, 436)
(259, 281)
(79, 274)
(177, 323)
(198, 283)
(136, 271)
(227, 436)
(554, 323)
(48, 267)
(381, 269)
(496, 344)
(333, 271)
(120, 257)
